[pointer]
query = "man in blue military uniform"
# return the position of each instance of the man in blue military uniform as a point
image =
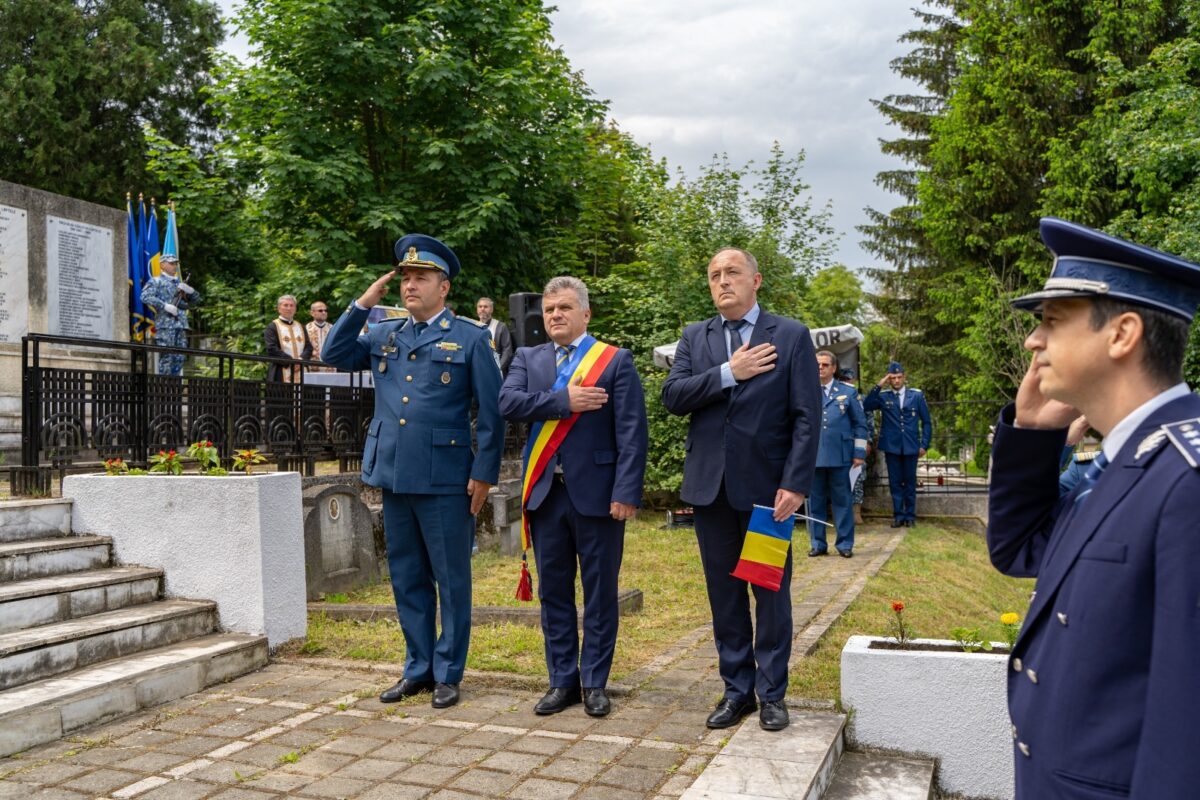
(843, 444)
(1103, 685)
(169, 297)
(905, 431)
(428, 369)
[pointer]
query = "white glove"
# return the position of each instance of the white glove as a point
(183, 287)
(170, 309)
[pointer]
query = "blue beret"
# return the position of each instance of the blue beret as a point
(895, 367)
(1088, 263)
(425, 252)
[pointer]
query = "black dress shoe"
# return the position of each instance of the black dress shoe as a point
(815, 552)
(910, 522)
(773, 716)
(557, 699)
(897, 523)
(729, 713)
(596, 702)
(405, 688)
(445, 695)
(846, 553)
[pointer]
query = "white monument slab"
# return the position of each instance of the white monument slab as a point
(14, 273)
(79, 279)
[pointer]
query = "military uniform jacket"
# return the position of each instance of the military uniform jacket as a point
(759, 436)
(843, 427)
(906, 430)
(161, 290)
(1104, 680)
(419, 441)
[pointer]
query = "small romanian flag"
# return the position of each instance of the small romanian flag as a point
(765, 550)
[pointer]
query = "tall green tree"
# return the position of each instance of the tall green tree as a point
(79, 80)
(365, 119)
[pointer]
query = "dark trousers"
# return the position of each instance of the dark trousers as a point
(902, 481)
(831, 486)
(753, 658)
(562, 538)
(429, 558)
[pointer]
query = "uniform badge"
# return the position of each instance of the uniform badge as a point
(446, 377)
(445, 323)
(1150, 443)
(453, 347)
(382, 367)
(1185, 436)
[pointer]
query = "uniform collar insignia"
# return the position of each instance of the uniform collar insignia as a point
(445, 323)
(1150, 443)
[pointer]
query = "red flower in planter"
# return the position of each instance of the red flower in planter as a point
(897, 606)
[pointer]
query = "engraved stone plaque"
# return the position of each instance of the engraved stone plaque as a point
(79, 279)
(14, 273)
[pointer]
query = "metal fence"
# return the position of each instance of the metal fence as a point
(73, 417)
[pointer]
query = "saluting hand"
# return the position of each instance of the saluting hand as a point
(1036, 410)
(371, 297)
(747, 361)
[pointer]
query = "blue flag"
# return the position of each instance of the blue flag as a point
(150, 244)
(138, 323)
(171, 237)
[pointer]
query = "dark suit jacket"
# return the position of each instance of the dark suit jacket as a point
(760, 436)
(1104, 680)
(271, 340)
(604, 456)
(504, 346)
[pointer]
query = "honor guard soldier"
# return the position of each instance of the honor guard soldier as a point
(170, 298)
(843, 445)
(428, 370)
(1104, 678)
(905, 431)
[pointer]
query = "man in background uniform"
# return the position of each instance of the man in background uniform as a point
(170, 298)
(905, 431)
(428, 370)
(843, 445)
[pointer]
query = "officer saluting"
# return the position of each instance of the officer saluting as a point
(1103, 685)
(904, 436)
(428, 369)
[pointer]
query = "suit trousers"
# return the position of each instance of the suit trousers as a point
(429, 558)
(562, 537)
(902, 481)
(753, 658)
(831, 484)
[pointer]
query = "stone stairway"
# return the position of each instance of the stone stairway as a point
(83, 641)
(807, 761)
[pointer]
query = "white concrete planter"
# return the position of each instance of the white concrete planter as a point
(947, 705)
(236, 540)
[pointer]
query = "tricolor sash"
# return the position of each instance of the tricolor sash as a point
(584, 368)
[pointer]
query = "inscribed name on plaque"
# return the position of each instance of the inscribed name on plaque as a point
(14, 273)
(79, 279)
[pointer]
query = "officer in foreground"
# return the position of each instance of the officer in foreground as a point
(428, 369)
(1104, 680)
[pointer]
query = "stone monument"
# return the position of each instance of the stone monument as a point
(63, 271)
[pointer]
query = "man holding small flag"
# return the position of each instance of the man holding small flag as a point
(748, 379)
(584, 466)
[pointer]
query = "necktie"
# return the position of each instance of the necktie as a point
(735, 334)
(419, 327)
(1090, 477)
(564, 355)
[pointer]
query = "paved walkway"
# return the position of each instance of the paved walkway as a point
(315, 729)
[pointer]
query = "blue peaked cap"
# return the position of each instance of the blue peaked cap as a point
(1088, 263)
(895, 367)
(416, 250)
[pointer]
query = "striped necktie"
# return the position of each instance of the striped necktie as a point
(1088, 482)
(564, 355)
(734, 326)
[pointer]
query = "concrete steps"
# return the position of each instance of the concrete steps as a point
(83, 641)
(806, 761)
(41, 601)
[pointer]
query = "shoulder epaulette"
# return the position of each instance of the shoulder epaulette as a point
(1185, 435)
(885, 391)
(474, 322)
(916, 391)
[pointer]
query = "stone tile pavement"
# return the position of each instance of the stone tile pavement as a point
(316, 729)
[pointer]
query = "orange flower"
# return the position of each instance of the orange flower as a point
(897, 606)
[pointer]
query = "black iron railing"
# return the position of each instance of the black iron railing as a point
(959, 451)
(122, 408)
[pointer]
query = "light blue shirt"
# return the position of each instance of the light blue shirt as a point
(1121, 432)
(746, 330)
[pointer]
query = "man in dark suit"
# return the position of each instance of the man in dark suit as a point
(749, 380)
(592, 484)
(501, 338)
(1103, 681)
(904, 435)
(429, 368)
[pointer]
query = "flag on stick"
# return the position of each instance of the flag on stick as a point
(138, 323)
(171, 237)
(150, 245)
(764, 552)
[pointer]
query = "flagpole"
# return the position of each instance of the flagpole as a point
(798, 515)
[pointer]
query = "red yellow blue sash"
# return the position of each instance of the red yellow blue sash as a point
(584, 369)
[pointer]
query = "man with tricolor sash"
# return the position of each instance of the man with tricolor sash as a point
(748, 378)
(584, 466)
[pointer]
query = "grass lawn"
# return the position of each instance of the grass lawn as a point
(943, 577)
(664, 564)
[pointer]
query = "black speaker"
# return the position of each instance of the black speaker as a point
(526, 323)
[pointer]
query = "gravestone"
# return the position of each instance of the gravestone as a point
(339, 545)
(63, 272)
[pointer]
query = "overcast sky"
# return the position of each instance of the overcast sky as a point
(693, 78)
